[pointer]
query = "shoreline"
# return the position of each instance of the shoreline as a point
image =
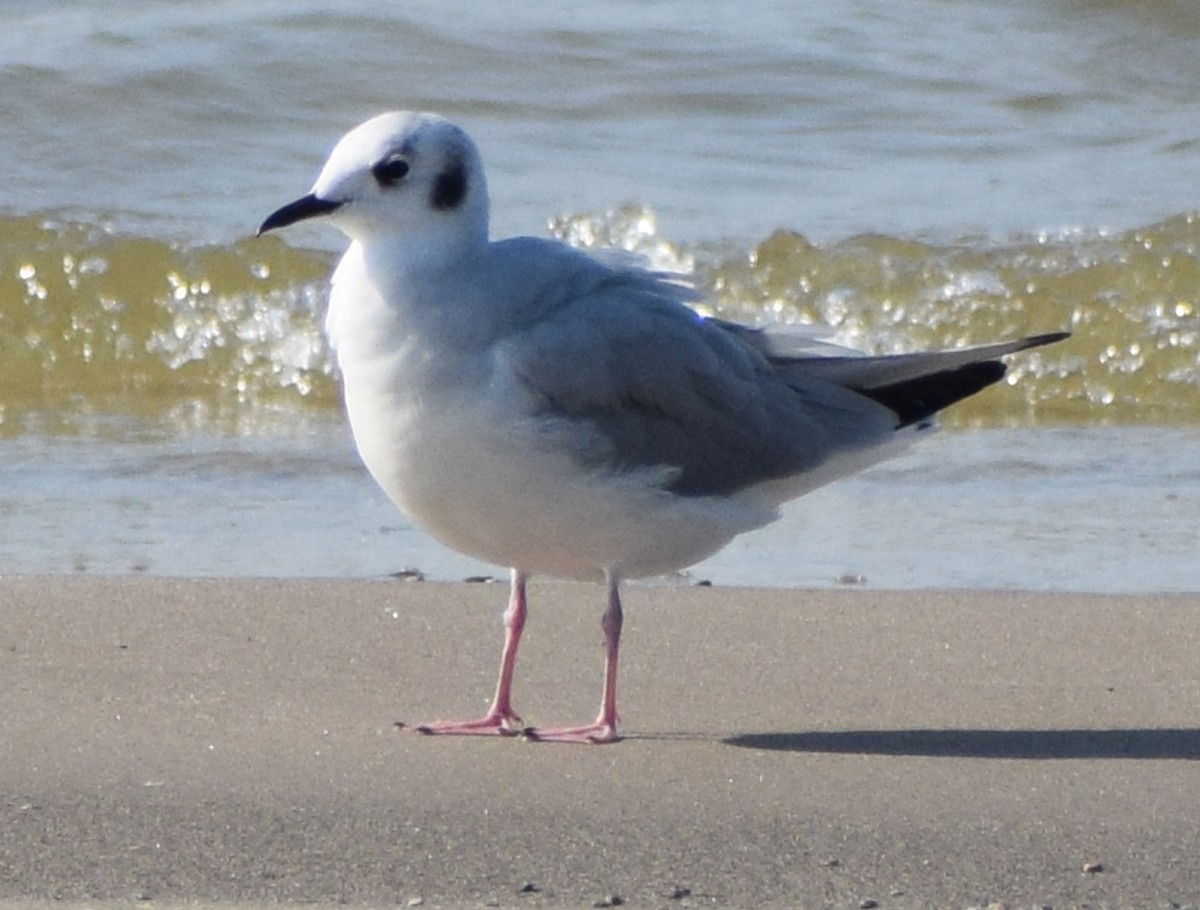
(231, 742)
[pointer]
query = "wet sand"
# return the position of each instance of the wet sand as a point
(232, 742)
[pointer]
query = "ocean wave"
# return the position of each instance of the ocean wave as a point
(95, 321)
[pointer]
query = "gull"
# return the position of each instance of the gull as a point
(569, 414)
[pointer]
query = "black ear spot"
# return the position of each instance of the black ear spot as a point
(450, 187)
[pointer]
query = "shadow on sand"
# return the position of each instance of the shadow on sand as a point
(1155, 743)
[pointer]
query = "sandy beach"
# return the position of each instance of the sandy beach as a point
(233, 743)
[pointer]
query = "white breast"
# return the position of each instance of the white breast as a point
(478, 473)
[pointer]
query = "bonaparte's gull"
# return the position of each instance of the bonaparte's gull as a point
(567, 414)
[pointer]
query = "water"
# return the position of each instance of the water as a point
(916, 174)
(1045, 509)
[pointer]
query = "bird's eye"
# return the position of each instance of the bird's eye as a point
(390, 171)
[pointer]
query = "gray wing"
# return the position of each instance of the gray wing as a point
(628, 377)
(621, 373)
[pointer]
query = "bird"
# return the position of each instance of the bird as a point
(569, 413)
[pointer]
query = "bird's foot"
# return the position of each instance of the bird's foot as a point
(593, 734)
(494, 723)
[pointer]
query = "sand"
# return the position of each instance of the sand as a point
(232, 743)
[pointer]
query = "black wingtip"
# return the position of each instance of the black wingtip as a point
(917, 400)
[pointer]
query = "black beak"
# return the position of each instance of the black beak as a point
(309, 206)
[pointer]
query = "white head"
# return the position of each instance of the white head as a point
(415, 177)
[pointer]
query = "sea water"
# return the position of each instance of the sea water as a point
(910, 175)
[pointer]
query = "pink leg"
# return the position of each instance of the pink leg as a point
(604, 729)
(500, 718)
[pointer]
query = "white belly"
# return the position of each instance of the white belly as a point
(486, 482)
